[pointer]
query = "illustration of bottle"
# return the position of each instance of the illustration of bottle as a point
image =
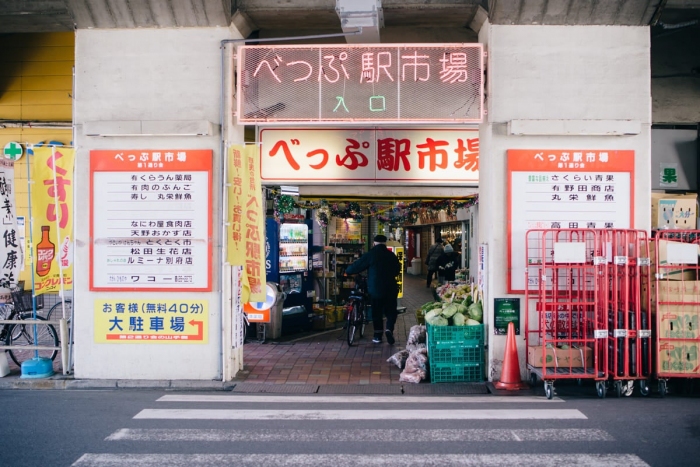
(45, 252)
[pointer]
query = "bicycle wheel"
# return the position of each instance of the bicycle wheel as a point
(56, 313)
(352, 323)
(361, 321)
(23, 335)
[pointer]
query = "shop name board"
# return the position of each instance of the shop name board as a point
(369, 155)
(360, 83)
(150, 220)
(564, 189)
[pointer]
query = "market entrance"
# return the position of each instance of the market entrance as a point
(316, 238)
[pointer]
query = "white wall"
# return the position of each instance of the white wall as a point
(145, 75)
(574, 73)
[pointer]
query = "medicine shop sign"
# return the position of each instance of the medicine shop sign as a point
(564, 189)
(150, 220)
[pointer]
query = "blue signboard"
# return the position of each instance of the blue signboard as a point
(272, 250)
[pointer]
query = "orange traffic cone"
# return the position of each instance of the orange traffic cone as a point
(510, 373)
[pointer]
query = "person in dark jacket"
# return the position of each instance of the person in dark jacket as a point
(383, 290)
(447, 263)
(434, 253)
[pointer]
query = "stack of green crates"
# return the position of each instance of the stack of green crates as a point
(456, 353)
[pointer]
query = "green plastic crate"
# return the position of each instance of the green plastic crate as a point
(466, 352)
(454, 334)
(456, 372)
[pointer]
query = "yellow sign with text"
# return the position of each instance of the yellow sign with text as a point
(398, 251)
(152, 321)
(246, 219)
(52, 218)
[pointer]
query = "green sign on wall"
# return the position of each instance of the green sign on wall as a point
(506, 310)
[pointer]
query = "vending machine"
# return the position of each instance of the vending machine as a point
(288, 262)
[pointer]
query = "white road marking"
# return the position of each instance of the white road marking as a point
(363, 435)
(352, 399)
(352, 460)
(481, 414)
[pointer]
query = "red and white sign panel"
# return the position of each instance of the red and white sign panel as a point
(329, 155)
(150, 221)
(565, 189)
(360, 83)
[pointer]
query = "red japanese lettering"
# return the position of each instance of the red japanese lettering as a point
(352, 159)
(432, 153)
(392, 152)
(323, 162)
(468, 156)
(287, 153)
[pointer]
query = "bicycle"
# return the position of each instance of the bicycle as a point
(26, 335)
(355, 310)
(56, 312)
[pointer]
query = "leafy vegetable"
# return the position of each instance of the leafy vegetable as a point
(458, 319)
(450, 310)
(476, 312)
(471, 322)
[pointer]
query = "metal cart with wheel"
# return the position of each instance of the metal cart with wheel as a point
(629, 320)
(677, 302)
(565, 301)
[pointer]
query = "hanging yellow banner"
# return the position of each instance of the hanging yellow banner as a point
(246, 218)
(52, 218)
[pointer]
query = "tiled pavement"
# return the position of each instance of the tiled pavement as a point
(326, 358)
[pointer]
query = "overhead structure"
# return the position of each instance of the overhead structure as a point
(366, 15)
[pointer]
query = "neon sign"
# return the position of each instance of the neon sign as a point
(360, 83)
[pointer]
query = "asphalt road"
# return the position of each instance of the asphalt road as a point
(152, 428)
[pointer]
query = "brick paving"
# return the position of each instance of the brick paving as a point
(325, 358)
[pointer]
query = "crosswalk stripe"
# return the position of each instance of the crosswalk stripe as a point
(349, 399)
(482, 414)
(351, 460)
(363, 435)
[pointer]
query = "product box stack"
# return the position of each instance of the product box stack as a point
(555, 357)
(677, 319)
(670, 211)
(456, 353)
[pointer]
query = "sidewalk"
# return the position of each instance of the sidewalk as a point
(319, 363)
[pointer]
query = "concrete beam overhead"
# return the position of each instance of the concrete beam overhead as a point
(573, 12)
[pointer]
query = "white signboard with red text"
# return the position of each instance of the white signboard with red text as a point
(369, 155)
(565, 189)
(150, 221)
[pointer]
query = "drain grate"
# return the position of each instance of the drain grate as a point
(276, 388)
(360, 389)
(471, 388)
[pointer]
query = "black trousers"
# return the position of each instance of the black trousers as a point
(385, 306)
(430, 276)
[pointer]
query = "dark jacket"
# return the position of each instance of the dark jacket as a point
(447, 263)
(434, 253)
(383, 268)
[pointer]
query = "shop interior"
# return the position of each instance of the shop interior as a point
(319, 238)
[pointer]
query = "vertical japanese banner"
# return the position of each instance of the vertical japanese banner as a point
(52, 218)
(245, 235)
(10, 252)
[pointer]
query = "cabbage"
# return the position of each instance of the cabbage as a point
(462, 309)
(458, 319)
(475, 311)
(449, 310)
(432, 314)
(471, 322)
(437, 321)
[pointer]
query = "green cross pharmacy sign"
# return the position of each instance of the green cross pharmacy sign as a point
(12, 151)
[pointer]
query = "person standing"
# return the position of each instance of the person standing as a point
(383, 290)
(448, 263)
(434, 253)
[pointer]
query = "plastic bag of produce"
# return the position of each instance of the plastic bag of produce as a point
(414, 347)
(416, 335)
(413, 377)
(418, 359)
(399, 358)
